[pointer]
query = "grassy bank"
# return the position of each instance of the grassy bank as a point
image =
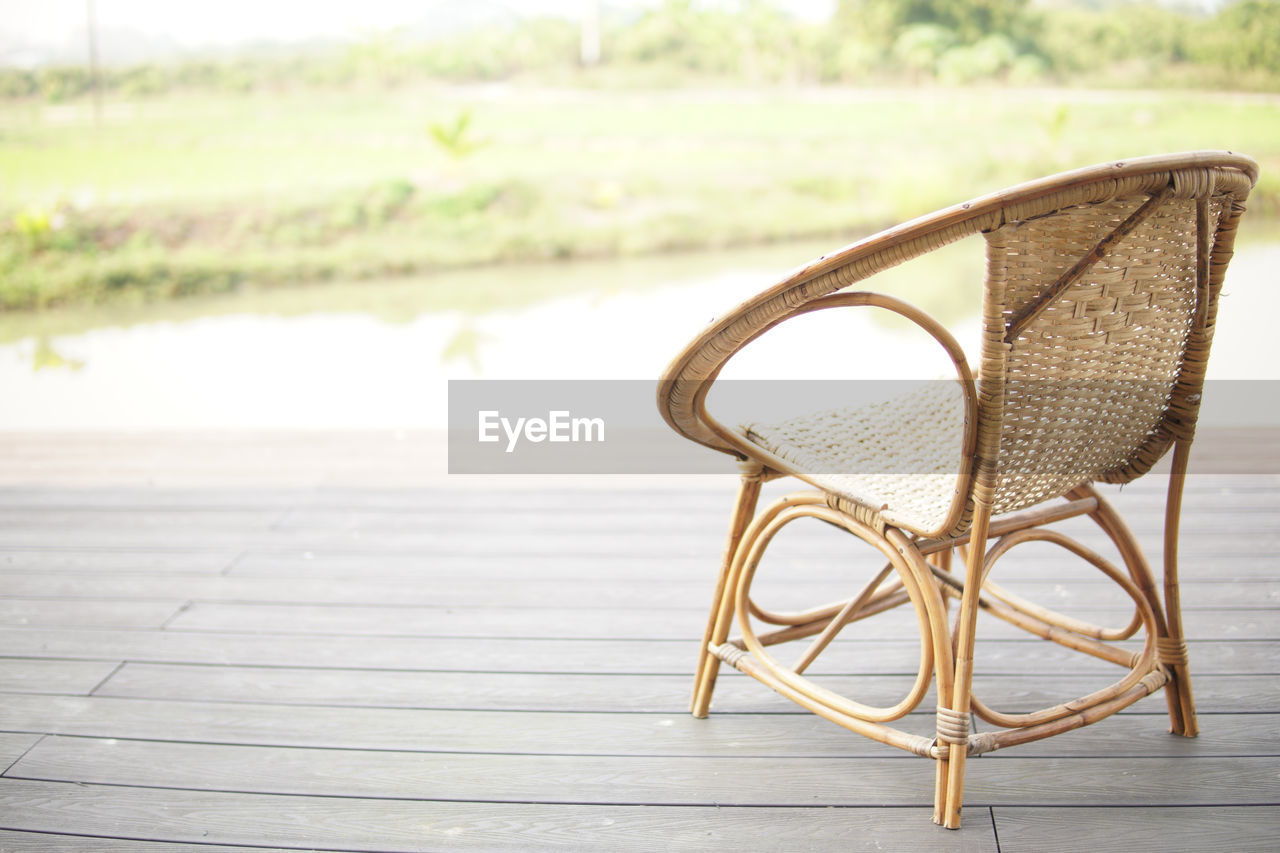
(169, 196)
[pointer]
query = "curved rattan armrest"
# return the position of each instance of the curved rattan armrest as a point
(740, 445)
(736, 441)
(684, 383)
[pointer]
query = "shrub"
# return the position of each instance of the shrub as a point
(61, 83)
(921, 46)
(985, 59)
(17, 83)
(1243, 37)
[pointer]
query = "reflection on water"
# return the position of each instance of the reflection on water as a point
(378, 354)
(46, 357)
(464, 347)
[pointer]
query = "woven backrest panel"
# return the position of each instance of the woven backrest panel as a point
(1087, 381)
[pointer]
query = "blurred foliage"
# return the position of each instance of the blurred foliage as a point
(343, 166)
(33, 228)
(61, 255)
(46, 357)
(1244, 37)
(456, 138)
(177, 199)
(867, 41)
(883, 21)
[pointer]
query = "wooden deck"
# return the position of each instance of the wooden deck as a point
(322, 643)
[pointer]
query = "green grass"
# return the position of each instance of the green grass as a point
(173, 196)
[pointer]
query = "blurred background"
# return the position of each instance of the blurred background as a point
(286, 214)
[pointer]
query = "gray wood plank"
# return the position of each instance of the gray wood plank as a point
(735, 693)
(45, 842)
(446, 654)
(593, 497)
(604, 494)
(687, 583)
(666, 694)
(1134, 781)
(1146, 734)
(577, 623)
(44, 561)
(428, 591)
(643, 780)
(556, 733)
(536, 654)
(46, 496)
(711, 493)
(406, 825)
(634, 623)
(1240, 554)
(1224, 560)
(525, 521)
(482, 491)
(86, 613)
(568, 565)
(440, 731)
(1215, 694)
(565, 565)
(13, 745)
(1205, 494)
(639, 520)
(589, 511)
(901, 780)
(52, 676)
(424, 591)
(142, 521)
(1169, 830)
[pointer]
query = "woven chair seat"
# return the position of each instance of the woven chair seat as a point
(898, 459)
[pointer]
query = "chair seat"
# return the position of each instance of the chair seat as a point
(899, 458)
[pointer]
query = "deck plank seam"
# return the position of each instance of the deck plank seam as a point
(94, 690)
(211, 844)
(39, 740)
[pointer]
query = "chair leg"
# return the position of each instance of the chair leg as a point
(954, 711)
(1140, 571)
(721, 618)
(1173, 649)
(942, 559)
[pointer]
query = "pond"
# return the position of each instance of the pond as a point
(379, 354)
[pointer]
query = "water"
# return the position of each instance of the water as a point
(379, 354)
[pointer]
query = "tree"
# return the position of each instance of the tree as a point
(1245, 36)
(970, 20)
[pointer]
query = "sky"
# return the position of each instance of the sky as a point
(233, 21)
(53, 30)
(226, 20)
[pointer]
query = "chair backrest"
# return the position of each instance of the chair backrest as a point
(1098, 316)
(1098, 313)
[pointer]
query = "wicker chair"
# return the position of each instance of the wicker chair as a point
(1098, 312)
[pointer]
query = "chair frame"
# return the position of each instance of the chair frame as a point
(922, 558)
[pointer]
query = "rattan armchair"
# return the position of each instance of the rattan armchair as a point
(1097, 316)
